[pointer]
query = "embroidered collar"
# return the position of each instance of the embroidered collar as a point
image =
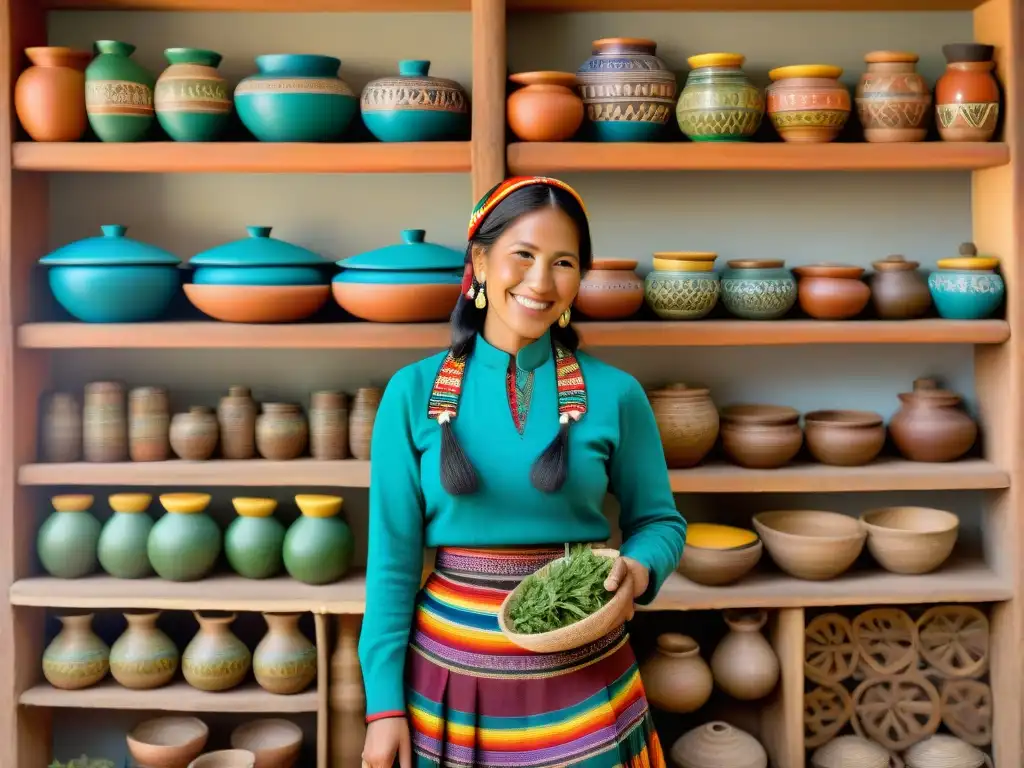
(529, 358)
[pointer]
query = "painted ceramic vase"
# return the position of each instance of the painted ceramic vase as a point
(546, 108)
(744, 664)
(118, 93)
(125, 536)
(412, 106)
(807, 103)
(143, 657)
(611, 290)
(253, 540)
(676, 679)
(832, 291)
(76, 658)
(284, 662)
(215, 659)
(49, 96)
(184, 544)
(195, 434)
(191, 99)
(682, 285)
(898, 290)
(718, 102)
(932, 425)
(688, 423)
(629, 93)
(755, 289)
(893, 101)
(967, 287)
(149, 424)
(67, 539)
(319, 545)
(62, 428)
(296, 97)
(967, 94)
(281, 432)
(236, 418)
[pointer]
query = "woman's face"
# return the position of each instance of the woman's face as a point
(531, 275)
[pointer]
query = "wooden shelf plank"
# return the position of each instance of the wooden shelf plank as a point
(179, 696)
(882, 475)
(566, 157)
(262, 6)
(435, 336)
(242, 157)
(747, 6)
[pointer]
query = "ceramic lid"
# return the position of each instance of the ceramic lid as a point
(756, 264)
(716, 60)
(686, 255)
(413, 253)
(113, 248)
(842, 271)
(891, 57)
(760, 414)
(617, 265)
(969, 260)
(259, 249)
(806, 70)
(894, 263)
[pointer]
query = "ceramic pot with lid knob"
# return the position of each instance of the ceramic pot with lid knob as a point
(967, 287)
(931, 425)
(898, 290)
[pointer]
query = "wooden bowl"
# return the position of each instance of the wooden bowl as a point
(595, 626)
(844, 438)
(258, 303)
(910, 539)
(167, 742)
(274, 741)
(225, 758)
(718, 567)
(809, 544)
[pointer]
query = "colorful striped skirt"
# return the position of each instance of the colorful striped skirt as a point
(475, 699)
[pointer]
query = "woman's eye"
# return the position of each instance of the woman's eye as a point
(524, 254)
(566, 263)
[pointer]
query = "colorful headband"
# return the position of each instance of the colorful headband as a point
(500, 191)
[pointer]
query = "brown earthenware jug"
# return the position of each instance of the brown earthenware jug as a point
(194, 434)
(744, 664)
(898, 290)
(688, 422)
(931, 425)
(676, 679)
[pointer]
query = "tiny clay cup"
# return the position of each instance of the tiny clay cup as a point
(832, 291)
(844, 438)
(547, 108)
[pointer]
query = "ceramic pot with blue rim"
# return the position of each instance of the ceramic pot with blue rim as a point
(755, 289)
(967, 287)
(113, 279)
(414, 281)
(296, 97)
(413, 106)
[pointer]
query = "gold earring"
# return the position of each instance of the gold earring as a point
(563, 319)
(481, 298)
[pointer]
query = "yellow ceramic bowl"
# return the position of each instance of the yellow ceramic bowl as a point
(682, 265)
(249, 506)
(715, 536)
(185, 503)
(317, 505)
(969, 263)
(72, 502)
(130, 503)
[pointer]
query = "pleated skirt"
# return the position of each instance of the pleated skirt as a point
(475, 699)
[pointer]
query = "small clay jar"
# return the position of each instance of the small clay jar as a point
(967, 94)
(931, 424)
(761, 436)
(143, 657)
(236, 418)
(832, 291)
(284, 662)
(844, 438)
(743, 664)
(676, 679)
(328, 426)
(898, 290)
(281, 432)
(49, 96)
(62, 428)
(807, 103)
(76, 658)
(360, 421)
(547, 109)
(194, 434)
(687, 421)
(149, 423)
(215, 659)
(611, 290)
(104, 423)
(893, 100)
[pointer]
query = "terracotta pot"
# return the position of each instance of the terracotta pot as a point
(807, 104)
(49, 96)
(284, 661)
(167, 742)
(194, 435)
(143, 657)
(676, 679)
(76, 658)
(547, 109)
(258, 303)
(281, 432)
(236, 419)
(744, 664)
(360, 421)
(104, 423)
(328, 426)
(62, 428)
(931, 424)
(215, 660)
(844, 438)
(687, 421)
(893, 100)
(274, 741)
(149, 423)
(898, 290)
(761, 436)
(717, 745)
(831, 291)
(611, 290)
(967, 94)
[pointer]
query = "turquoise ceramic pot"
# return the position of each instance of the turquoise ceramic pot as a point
(113, 279)
(966, 295)
(753, 293)
(260, 276)
(67, 540)
(392, 277)
(252, 545)
(414, 106)
(193, 102)
(681, 295)
(260, 259)
(413, 254)
(118, 93)
(296, 97)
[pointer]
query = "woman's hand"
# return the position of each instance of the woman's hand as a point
(641, 579)
(386, 738)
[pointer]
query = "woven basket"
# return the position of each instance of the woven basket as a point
(595, 626)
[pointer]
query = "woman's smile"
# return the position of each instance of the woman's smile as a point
(532, 305)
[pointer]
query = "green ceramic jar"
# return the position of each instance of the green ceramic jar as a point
(118, 93)
(123, 540)
(253, 541)
(184, 544)
(318, 546)
(143, 657)
(718, 102)
(215, 659)
(681, 295)
(192, 100)
(758, 290)
(67, 540)
(77, 657)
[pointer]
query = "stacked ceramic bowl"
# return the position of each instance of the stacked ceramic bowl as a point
(683, 285)
(716, 555)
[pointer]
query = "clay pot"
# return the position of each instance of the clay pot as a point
(67, 539)
(236, 419)
(184, 544)
(253, 540)
(318, 547)
(831, 291)
(274, 741)
(547, 109)
(611, 290)
(716, 555)
(62, 428)
(849, 751)
(967, 94)
(687, 422)
(898, 290)
(104, 423)
(967, 287)
(761, 436)
(807, 104)
(360, 421)
(744, 664)
(215, 660)
(717, 745)
(893, 100)
(76, 658)
(328, 426)
(149, 422)
(810, 544)
(194, 435)
(123, 542)
(718, 102)
(931, 425)
(167, 742)
(844, 438)
(143, 657)
(281, 432)
(676, 679)
(941, 750)
(49, 96)
(284, 661)
(755, 289)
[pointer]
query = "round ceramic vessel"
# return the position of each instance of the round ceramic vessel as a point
(123, 540)
(893, 100)
(185, 543)
(413, 106)
(681, 295)
(192, 100)
(253, 540)
(66, 542)
(967, 94)
(966, 295)
(718, 102)
(118, 93)
(319, 545)
(296, 97)
(807, 103)
(260, 276)
(49, 96)
(547, 108)
(758, 290)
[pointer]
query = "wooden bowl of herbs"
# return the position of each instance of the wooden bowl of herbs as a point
(564, 605)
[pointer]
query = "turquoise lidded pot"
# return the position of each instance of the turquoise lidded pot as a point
(296, 97)
(758, 290)
(260, 259)
(253, 540)
(184, 544)
(318, 546)
(66, 543)
(413, 106)
(967, 287)
(118, 93)
(125, 536)
(113, 279)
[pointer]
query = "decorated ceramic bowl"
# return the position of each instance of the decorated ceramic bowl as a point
(967, 287)
(758, 289)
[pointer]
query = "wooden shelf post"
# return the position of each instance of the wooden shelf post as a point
(489, 46)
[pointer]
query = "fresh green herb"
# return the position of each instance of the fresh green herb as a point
(84, 762)
(571, 590)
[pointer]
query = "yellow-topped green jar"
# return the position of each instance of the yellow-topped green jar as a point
(253, 541)
(319, 545)
(66, 543)
(185, 543)
(718, 102)
(125, 537)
